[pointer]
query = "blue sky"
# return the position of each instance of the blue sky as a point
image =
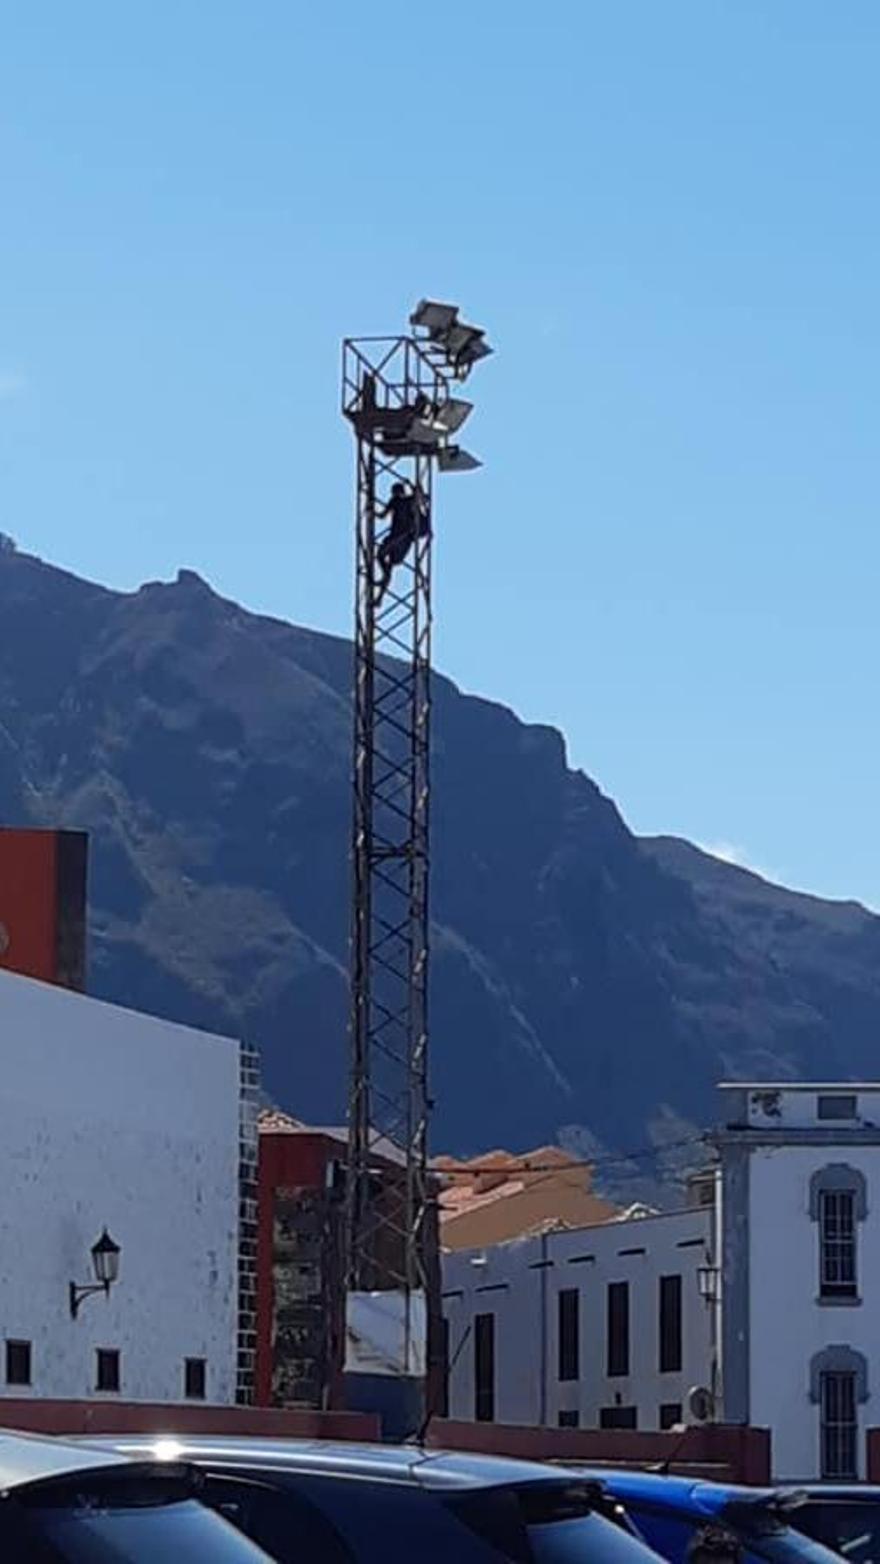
(667, 216)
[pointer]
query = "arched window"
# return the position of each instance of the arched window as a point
(838, 1382)
(838, 1202)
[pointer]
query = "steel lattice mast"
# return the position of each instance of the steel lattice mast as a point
(397, 397)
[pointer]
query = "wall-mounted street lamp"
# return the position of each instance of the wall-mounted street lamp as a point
(105, 1263)
(709, 1288)
(708, 1283)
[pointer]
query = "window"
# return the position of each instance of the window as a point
(570, 1419)
(618, 1328)
(77, 1525)
(838, 1383)
(670, 1325)
(288, 1524)
(837, 1105)
(541, 1524)
(569, 1336)
(107, 1369)
(194, 1378)
(670, 1414)
(839, 1425)
(837, 1244)
(618, 1417)
(18, 1362)
(673, 1537)
(838, 1202)
(701, 1189)
(843, 1526)
(484, 1368)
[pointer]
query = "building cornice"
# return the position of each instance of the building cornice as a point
(793, 1135)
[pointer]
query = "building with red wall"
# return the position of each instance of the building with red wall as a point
(300, 1262)
(300, 1328)
(43, 905)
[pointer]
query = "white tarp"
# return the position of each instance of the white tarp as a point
(376, 1333)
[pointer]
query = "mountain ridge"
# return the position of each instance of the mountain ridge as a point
(587, 985)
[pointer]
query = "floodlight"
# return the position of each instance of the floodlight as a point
(435, 318)
(435, 420)
(463, 346)
(474, 349)
(451, 458)
(457, 336)
(423, 431)
(452, 413)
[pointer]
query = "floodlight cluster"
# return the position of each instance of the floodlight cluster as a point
(457, 346)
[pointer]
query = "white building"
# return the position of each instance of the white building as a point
(606, 1326)
(800, 1230)
(599, 1327)
(110, 1119)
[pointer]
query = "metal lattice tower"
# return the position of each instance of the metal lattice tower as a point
(395, 391)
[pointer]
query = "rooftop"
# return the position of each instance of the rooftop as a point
(272, 1121)
(502, 1194)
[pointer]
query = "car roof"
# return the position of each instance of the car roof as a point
(33, 1458)
(390, 1463)
(694, 1495)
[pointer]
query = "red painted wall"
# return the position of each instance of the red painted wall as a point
(42, 905)
(729, 1452)
(136, 1417)
(27, 902)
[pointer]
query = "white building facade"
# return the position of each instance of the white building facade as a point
(599, 1327)
(111, 1119)
(800, 1236)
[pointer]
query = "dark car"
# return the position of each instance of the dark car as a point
(62, 1504)
(672, 1514)
(364, 1504)
(844, 1516)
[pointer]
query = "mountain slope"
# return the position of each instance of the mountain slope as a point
(584, 981)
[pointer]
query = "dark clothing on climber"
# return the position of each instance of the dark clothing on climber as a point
(409, 521)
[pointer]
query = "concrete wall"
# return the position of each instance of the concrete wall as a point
(109, 1117)
(788, 1325)
(191, 1420)
(520, 1282)
(793, 1106)
(709, 1450)
(778, 1331)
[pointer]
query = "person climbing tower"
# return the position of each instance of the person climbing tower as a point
(409, 522)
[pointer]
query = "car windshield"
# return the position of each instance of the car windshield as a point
(184, 1532)
(548, 1524)
(760, 1531)
(585, 1537)
(768, 1537)
(849, 1527)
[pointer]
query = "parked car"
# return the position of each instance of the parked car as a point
(670, 1513)
(364, 1504)
(845, 1517)
(63, 1504)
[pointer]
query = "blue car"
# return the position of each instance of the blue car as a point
(846, 1517)
(315, 1503)
(671, 1514)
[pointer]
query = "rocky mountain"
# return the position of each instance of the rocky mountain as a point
(586, 984)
